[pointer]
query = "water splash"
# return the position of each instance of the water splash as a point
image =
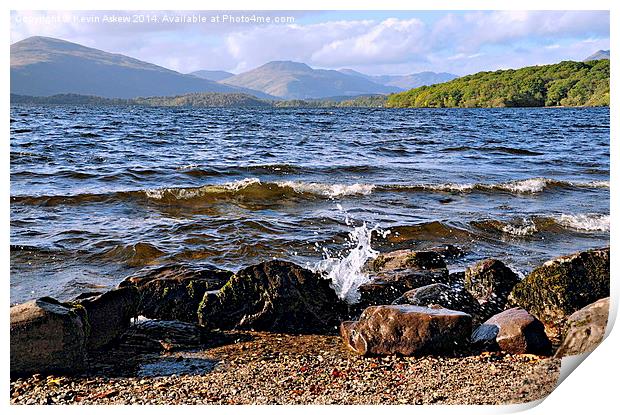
(346, 271)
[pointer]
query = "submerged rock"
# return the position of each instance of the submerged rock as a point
(274, 296)
(453, 298)
(108, 314)
(408, 259)
(490, 281)
(47, 336)
(514, 331)
(586, 329)
(175, 292)
(406, 330)
(563, 285)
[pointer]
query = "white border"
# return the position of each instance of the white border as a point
(592, 388)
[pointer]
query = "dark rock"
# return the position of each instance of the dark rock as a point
(564, 285)
(514, 331)
(47, 336)
(490, 282)
(161, 335)
(108, 314)
(175, 292)
(274, 296)
(408, 259)
(406, 330)
(448, 251)
(586, 329)
(386, 287)
(453, 298)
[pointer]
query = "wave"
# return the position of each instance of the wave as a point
(256, 190)
(586, 222)
(525, 227)
(525, 186)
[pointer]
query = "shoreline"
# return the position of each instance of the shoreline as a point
(269, 368)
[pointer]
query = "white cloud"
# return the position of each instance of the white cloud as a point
(458, 42)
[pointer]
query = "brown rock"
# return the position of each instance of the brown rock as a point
(514, 331)
(108, 314)
(586, 329)
(408, 259)
(47, 336)
(406, 330)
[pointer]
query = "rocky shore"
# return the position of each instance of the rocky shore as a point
(278, 333)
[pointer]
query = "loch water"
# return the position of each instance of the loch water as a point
(98, 193)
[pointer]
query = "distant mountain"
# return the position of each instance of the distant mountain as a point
(212, 75)
(46, 66)
(294, 80)
(599, 54)
(414, 80)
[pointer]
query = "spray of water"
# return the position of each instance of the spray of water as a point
(346, 271)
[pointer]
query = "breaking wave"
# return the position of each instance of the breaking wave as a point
(256, 190)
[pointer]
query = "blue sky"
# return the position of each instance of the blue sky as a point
(374, 42)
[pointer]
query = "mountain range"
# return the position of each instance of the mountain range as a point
(44, 66)
(405, 82)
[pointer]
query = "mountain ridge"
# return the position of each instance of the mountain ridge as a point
(44, 66)
(296, 80)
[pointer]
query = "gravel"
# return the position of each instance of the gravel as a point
(267, 368)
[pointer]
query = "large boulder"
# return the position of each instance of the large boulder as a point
(514, 331)
(451, 297)
(406, 330)
(47, 337)
(586, 329)
(408, 259)
(175, 292)
(273, 296)
(387, 286)
(490, 281)
(559, 287)
(108, 314)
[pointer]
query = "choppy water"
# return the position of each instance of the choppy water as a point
(98, 193)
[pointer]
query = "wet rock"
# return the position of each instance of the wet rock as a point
(490, 281)
(175, 292)
(406, 330)
(274, 296)
(161, 335)
(564, 285)
(47, 336)
(108, 314)
(408, 259)
(448, 251)
(387, 286)
(586, 329)
(453, 298)
(514, 331)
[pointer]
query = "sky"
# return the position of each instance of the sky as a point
(373, 42)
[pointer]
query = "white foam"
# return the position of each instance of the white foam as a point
(329, 190)
(347, 272)
(527, 228)
(586, 222)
